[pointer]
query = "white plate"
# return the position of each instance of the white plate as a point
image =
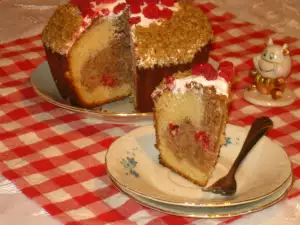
(132, 161)
(208, 212)
(119, 112)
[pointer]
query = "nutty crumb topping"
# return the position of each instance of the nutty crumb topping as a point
(173, 41)
(61, 28)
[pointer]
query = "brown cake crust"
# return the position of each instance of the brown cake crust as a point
(147, 80)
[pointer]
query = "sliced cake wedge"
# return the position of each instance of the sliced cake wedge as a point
(190, 116)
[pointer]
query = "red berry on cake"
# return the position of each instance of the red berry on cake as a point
(84, 6)
(106, 1)
(134, 8)
(203, 139)
(167, 2)
(200, 69)
(174, 129)
(166, 13)
(118, 8)
(206, 70)
(91, 13)
(212, 74)
(105, 12)
(226, 70)
(134, 20)
(135, 2)
(170, 82)
(152, 1)
(108, 80)
(151, 11)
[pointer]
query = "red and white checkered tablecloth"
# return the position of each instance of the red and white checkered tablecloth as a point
(56, 157)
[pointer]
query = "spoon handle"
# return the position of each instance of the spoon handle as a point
(258, 129)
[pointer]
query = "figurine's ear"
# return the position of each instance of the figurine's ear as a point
(270, 41)
(285, 50)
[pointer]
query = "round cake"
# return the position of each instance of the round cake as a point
(103, 50)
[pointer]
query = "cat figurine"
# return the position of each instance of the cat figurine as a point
(271, 70)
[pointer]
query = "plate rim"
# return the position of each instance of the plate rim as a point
(211, 215)
(191, 204)
(71, 108)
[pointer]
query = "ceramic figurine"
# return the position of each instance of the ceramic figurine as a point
(271, 70)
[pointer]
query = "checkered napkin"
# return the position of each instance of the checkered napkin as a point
(56, 157)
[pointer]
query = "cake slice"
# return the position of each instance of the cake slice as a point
(89, 52)
(190, 115)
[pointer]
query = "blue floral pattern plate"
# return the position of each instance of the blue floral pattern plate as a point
(132, 161)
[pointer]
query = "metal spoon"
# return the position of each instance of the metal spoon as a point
(227, 184)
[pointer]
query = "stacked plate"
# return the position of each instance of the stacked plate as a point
(263, 179)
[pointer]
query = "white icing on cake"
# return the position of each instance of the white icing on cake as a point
(220, 84)
(180, 85)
